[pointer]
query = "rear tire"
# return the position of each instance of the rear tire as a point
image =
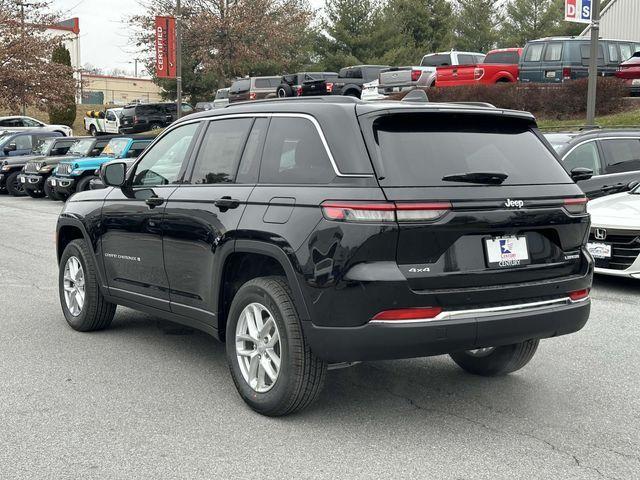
(14, 187)
(94, 313)
(92, 131)
(498, 360)
(284, 91)
(300, 374)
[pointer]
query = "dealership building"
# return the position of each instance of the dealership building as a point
(620, 20)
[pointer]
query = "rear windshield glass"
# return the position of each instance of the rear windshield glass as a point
(436, 60)
(420, 149)
(240, 86)
(506, 58)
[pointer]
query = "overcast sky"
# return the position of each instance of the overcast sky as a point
(104, 37)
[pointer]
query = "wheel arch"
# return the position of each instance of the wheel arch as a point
(251, 259)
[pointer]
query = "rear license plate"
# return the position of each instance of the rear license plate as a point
(53, 183)
(635, 82)
(504, 252)
(550, 74)
(599, 250)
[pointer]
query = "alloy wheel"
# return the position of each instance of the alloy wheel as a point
(74, 286)
(258, 347)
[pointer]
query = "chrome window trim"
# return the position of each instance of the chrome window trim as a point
(490, 311)
(315, 123)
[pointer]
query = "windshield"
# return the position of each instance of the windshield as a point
(427, 149)
(42, 146)
(81, 148)
(115, 147)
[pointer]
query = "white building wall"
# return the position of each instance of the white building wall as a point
(620, 21)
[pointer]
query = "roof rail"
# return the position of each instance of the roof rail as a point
(478, 104)
(319, 98)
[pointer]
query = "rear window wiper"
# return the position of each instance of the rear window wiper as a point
(490, 178)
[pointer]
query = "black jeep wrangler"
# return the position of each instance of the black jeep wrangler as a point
(321, 231)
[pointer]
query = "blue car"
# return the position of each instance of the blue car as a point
(76, 175)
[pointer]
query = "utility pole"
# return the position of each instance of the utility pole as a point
(24, 107)
(593, 63)
(178, 60)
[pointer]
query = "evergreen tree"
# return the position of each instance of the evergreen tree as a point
(64, 114)
(477, 23)
(530, 19)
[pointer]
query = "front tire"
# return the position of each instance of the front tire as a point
(14, 187)
(272, 367)
(496, 361)
(83, 183)
(83, 305)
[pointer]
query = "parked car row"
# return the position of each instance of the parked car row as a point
(57, 167)
(133, 118)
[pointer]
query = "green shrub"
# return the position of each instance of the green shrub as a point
(543, 100)
(65, 112)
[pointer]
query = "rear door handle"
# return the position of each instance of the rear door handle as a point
(226, 203)
(154, 201)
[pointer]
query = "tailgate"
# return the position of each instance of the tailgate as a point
(396, 76)
(314, 87)
(457, 233)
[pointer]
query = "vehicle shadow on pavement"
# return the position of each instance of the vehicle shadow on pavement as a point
(622, 285)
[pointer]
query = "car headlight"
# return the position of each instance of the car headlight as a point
(76, 172)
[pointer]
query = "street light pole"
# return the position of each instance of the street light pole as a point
(178, 60)
(593, 64)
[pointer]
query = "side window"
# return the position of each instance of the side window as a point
(534, 52)
(553, 53)
(220, 151)
(136, 149)
(61, 148)
(613, 53)
(23, 142)
(625, 51)
(585, 53)
(110, 116)
(465, 59)
(250, 163)
(622, 155)
(161, 165)
(586, 155)
(294, 153)
(27, 122)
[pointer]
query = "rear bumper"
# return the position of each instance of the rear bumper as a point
(461, 331)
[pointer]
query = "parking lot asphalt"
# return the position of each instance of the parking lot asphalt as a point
(145, 400)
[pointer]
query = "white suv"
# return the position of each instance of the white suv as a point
(17, 123)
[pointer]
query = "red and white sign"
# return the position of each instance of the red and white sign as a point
(577, 11)
(166, 47)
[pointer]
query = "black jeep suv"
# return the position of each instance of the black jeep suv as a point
(324, 230)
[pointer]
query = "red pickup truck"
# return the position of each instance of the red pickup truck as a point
(499, 66)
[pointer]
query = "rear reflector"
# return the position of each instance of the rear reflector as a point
(576, 205)
(579, 295)
(383, 211)
(422, 313)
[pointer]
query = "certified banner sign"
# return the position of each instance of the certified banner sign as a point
(166, 47)
(577, 11)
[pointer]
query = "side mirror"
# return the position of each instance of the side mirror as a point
(10, 148)
(581, 173)
(113, 174)
(633, 184)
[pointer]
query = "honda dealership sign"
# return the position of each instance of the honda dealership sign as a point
(577, 11)
(166, 47)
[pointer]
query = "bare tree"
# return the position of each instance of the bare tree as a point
(27, 74)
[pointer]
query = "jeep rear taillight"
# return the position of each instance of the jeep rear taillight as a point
(478, 73)
(299, 91)
(384, 211)
(329, 87)
(415, 75)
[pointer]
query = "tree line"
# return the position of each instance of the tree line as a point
(225, 39)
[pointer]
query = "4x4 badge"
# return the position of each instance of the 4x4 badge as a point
(514, 203)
